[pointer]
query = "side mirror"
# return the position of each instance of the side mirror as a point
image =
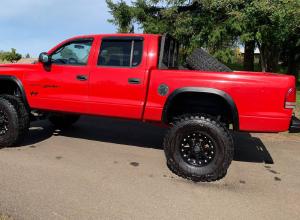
(44, 58)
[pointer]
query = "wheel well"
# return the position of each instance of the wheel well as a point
(13, 86)
(9, 87)
(201, 102)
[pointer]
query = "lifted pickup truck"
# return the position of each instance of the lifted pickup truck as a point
(136, 76)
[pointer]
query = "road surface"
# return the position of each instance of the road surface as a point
(115, 169)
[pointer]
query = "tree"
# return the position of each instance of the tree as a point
(221, 25)
(249, 55)
(274, 26)
(1, 55)
(122, 14)
(193, 23)
(12, 56)
(27, 56)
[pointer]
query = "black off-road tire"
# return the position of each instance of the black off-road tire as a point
(9, 114)
(23, 116)
(201, 60)
(63, 120)
(220, 137)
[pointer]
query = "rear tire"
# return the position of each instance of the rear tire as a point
(9, 124)
(199, 148)
(201, 60)
(63, 120)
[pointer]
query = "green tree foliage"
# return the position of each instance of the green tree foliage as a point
(220, 26)
(193, 23)
(122, 14)
(273, 25)
(12, 56)
(1, 55)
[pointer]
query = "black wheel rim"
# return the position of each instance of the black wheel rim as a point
(197, 149)
(4, 124)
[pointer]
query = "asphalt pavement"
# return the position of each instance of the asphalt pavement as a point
(115, 169)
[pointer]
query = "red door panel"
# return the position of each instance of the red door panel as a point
(63, 85)
(118, 80)
(111, 93)
(59, 89)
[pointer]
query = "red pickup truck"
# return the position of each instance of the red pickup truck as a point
(137, 76)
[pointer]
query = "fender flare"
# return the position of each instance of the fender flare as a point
(220, 93)
(19, 85)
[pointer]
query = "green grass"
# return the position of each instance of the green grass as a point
(240, 67)
(5, 217)
(297, 110)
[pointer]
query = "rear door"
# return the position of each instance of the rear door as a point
(117, 83)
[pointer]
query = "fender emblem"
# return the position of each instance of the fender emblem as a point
(163, 89)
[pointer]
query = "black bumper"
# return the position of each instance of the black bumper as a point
(295, 125)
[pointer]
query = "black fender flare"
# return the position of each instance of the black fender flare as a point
(19, 85)
(222, 94)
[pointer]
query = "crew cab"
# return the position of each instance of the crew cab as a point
(137, 77)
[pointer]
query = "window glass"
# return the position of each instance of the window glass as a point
(73, 53)
(121, 53)
(169, 53)
(137, 53)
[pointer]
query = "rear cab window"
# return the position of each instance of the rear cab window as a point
(169, 53)
(121, 52)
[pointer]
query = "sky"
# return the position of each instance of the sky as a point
(34, 26)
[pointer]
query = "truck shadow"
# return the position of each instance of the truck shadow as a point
(250, 149)
(124, 132)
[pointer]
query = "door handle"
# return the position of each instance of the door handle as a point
(82, 77)
(134, 81)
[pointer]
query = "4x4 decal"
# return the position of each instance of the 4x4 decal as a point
(50, 86)
(34, 93)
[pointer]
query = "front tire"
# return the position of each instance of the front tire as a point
(9, 124)
(63, 120)
(23, 116)
(199, 148)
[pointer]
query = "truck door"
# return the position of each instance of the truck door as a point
(118, 81)
(63, 85)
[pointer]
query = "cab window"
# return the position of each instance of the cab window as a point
(73, 53)
(120, 52)
(169, 53)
